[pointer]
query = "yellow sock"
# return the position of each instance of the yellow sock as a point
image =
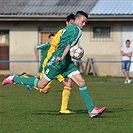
(40, 90)
(36, 88)
(65, 98)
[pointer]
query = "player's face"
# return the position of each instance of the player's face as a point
(81, 22)
(51, 38)
(70, 22)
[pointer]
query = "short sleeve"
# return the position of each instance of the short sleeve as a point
(42, 46)
(75, 36)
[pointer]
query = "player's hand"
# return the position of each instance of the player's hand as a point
(58, 59)
(37, 58)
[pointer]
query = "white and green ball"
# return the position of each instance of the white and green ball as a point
(76, 52)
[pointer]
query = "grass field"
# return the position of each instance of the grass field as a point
(22, 111)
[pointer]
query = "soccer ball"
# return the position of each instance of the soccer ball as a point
(76, 52)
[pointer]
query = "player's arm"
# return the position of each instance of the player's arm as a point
(36, 53)
(39, 47)
(72, 41)
(75, 35)
(64, 53)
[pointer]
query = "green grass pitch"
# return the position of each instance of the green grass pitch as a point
(22, 111)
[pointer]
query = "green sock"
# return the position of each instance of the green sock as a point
(86, 97)
(32, 81)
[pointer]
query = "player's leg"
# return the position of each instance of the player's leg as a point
(31, 81)
(76, 76)
(40, 75)
(50, 73)
(21, 80)
(92, 110)
(52, 70)
(41, 70)
(48, 86)
(78, 79)
(24, 74)
(65, 94)
(42, 84)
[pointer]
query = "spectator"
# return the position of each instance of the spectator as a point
(126, 53)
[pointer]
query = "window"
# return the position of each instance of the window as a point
(4, 49)
(101, 32)
(44, 32)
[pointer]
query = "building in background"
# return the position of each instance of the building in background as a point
(24, 24)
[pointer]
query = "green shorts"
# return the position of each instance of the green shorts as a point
(53, 71)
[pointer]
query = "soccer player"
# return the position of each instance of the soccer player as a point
(60, 63)
(67, 82)
(44, 49)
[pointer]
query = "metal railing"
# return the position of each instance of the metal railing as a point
(86, 66)
(83, 61)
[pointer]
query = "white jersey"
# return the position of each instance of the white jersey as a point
(126, 50)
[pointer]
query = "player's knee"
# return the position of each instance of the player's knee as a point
(41, 85)
(71, 84)
(45, 90)
(48, 90)
(81, 82)
(68, 83)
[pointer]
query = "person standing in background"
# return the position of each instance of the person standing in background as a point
(126, 53)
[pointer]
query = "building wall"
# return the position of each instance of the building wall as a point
(104, 49)
(24, 36)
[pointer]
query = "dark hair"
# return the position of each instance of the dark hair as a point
(128, 41)
(70, 17)
(51, 35)
(79, 13)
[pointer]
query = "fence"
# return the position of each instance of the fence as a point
(85, 66)
(90, 67)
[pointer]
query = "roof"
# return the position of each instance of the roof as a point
(113, 7)
(56, 10)
(44, 7)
